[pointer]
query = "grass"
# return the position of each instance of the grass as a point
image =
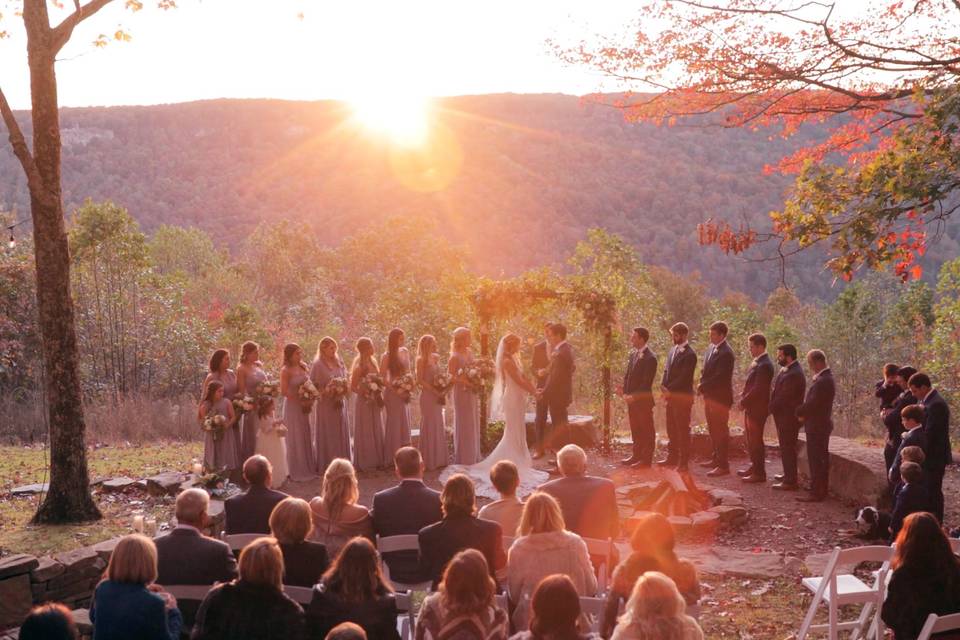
(28, 465)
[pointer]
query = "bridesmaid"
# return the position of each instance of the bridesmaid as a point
(466, 438)
(394, 364)
(368, 415)
(332, 428)
(296, 416)
(221, 372)
(219, 453)
(250, 373)
(433, 434)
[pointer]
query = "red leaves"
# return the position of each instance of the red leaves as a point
(725, 237)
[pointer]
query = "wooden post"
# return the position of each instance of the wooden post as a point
(607, 348)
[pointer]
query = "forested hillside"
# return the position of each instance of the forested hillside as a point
(528, 175)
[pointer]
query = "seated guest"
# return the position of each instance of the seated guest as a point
(652, 545)
(460, 529)
(250, 511)
(304, 561)
(49, 622)
(404, 510)
(253, 606)
(544, 548)
(555, 612)
(336, 515)
(127, 604)
(354, 590)
(915, 436)
(347, 631)
(186, 556)
(464, 604)
(656, 611)
(925, 577)
(508, 510)
(911, 497)
(589, 504)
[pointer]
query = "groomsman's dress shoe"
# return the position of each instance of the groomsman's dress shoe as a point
(755, 479)
(785, 486)
(667, 462)
(708, 464)
(743, 473)
(628, 462)
(811, 498)
(778, 477)
(717, 472)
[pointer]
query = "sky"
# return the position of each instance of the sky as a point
(337, 49)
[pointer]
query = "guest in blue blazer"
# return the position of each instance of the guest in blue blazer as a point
(127, 604)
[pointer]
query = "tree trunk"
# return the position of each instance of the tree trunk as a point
(68, 499)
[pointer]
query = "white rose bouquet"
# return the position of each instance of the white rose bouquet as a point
(372, 387)
(443, 383)
(216, 425)
(404, 386)
(479, 374)
(308, 394)
(242, 404)
(336, 390)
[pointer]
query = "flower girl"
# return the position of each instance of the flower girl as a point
(271, 441)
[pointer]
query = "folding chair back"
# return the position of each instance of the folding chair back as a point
(599, 547)
(300, 595)
(405, 620)
(238, 541)
(593, 609)
(939, 624)
(407, 542)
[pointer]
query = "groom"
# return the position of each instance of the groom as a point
(557, 391)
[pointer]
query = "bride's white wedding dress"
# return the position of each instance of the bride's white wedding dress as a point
(509, 403)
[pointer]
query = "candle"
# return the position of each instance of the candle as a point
(138, 524)
(150, 527)
(197, 468)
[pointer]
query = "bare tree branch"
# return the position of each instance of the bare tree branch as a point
(20, 148)
(62, 32)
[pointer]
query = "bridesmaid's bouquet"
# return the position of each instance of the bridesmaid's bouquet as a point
(242, 404)
(216, 425)
(307, 393)
(336, 390)
(275, 427)
(480, 374)
(443, 383)
(404, 386)
(270, 389)
(372, 387)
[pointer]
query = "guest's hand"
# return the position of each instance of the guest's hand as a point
(168, 600)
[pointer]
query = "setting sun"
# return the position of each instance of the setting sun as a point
(402, 119)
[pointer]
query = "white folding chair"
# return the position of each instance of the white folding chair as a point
(955, 546)
(300, 595)
(598, 547)
(405, 620)
(593, 609)
(238, 541)
(390, 544)
(939, 624)
(839, 589)
(502, 602)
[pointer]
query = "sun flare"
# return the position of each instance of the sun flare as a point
(403, 119)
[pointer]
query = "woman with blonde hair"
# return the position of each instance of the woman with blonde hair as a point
(250, 374)
(336, 515)
(127, 603)
(544, 548)
(368, 451)
(464, 604)
(254, 605)
(433, 432)
(332, 428)
(656, 611)
(466, 431)
(304, 561)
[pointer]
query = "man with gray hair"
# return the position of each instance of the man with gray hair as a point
(588, 503)
(186, 556)
(250, 511)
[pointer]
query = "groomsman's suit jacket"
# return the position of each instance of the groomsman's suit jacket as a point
(893, 420)
(404, 510)
(912, 438)
(558, 388)
(716, 377)
(817, 407)
(250, 511)
(937, 426)
(638, 380)
(788, 393)
(755, 397)
(541, 360)
(678, 373)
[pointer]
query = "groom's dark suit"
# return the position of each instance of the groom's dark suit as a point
(558, 388)
(638, 384)
(541, 361)
(678, 382)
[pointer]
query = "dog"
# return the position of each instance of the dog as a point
(872, 524)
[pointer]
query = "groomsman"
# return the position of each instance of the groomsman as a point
(755, 404)
(816, 414)
(716, 387)
(936, 423)
(637, 392)
(541, 366)
(787, 395)
(677, 388)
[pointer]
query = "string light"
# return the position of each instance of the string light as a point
(12, 243)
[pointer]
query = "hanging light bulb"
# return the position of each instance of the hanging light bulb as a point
(12, 244)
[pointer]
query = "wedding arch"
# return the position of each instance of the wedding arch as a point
(496, 300)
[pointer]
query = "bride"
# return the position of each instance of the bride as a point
(508, 403)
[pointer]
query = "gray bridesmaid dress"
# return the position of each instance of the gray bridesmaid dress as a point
(250, 422)
(229, 381)
(397, 427)
(300, 460)
(332, 427)
(367, 433)
(466, 432)
(222, 453)
(433, 435)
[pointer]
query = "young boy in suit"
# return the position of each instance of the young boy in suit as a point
(911, 497)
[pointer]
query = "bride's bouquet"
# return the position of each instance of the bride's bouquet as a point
(269, 389)
(242, 404)
(404, 386)
(216, 425)
(480, 374)
(307, 393)
(336, 390)
(372, 387)
(443, 383)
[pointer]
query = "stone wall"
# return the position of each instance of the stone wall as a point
(857, 472)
